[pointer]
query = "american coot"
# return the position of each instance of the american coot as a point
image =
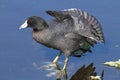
(72, 31)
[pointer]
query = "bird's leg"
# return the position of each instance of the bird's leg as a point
(65, 63)
(57, 67)
(59, 72)
(64, 68)
(56, 58)
(65, 75)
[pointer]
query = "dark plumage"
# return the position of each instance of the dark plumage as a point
(73, 32)
(84, 73)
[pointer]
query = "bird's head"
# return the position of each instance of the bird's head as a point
(34, 22)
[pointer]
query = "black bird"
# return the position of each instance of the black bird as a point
(72, 31)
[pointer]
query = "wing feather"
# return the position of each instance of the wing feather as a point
(84, 23)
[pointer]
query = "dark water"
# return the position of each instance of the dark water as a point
(21, 56)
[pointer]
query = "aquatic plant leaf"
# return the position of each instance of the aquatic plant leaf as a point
(113, 64)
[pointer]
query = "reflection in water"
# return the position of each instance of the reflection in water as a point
(54, 69)
(83, 73)
(87, 73)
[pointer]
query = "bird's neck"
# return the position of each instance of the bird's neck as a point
(37, 29)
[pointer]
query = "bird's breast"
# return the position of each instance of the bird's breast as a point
(41, 37)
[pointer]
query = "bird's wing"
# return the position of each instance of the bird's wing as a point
(73, 36)
(84, 23)
(58, 15)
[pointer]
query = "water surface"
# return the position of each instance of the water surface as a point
(21, 56)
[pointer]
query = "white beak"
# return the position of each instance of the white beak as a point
(24, 25)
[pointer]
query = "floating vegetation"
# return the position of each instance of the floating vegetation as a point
(95, 77)
(113, 64)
